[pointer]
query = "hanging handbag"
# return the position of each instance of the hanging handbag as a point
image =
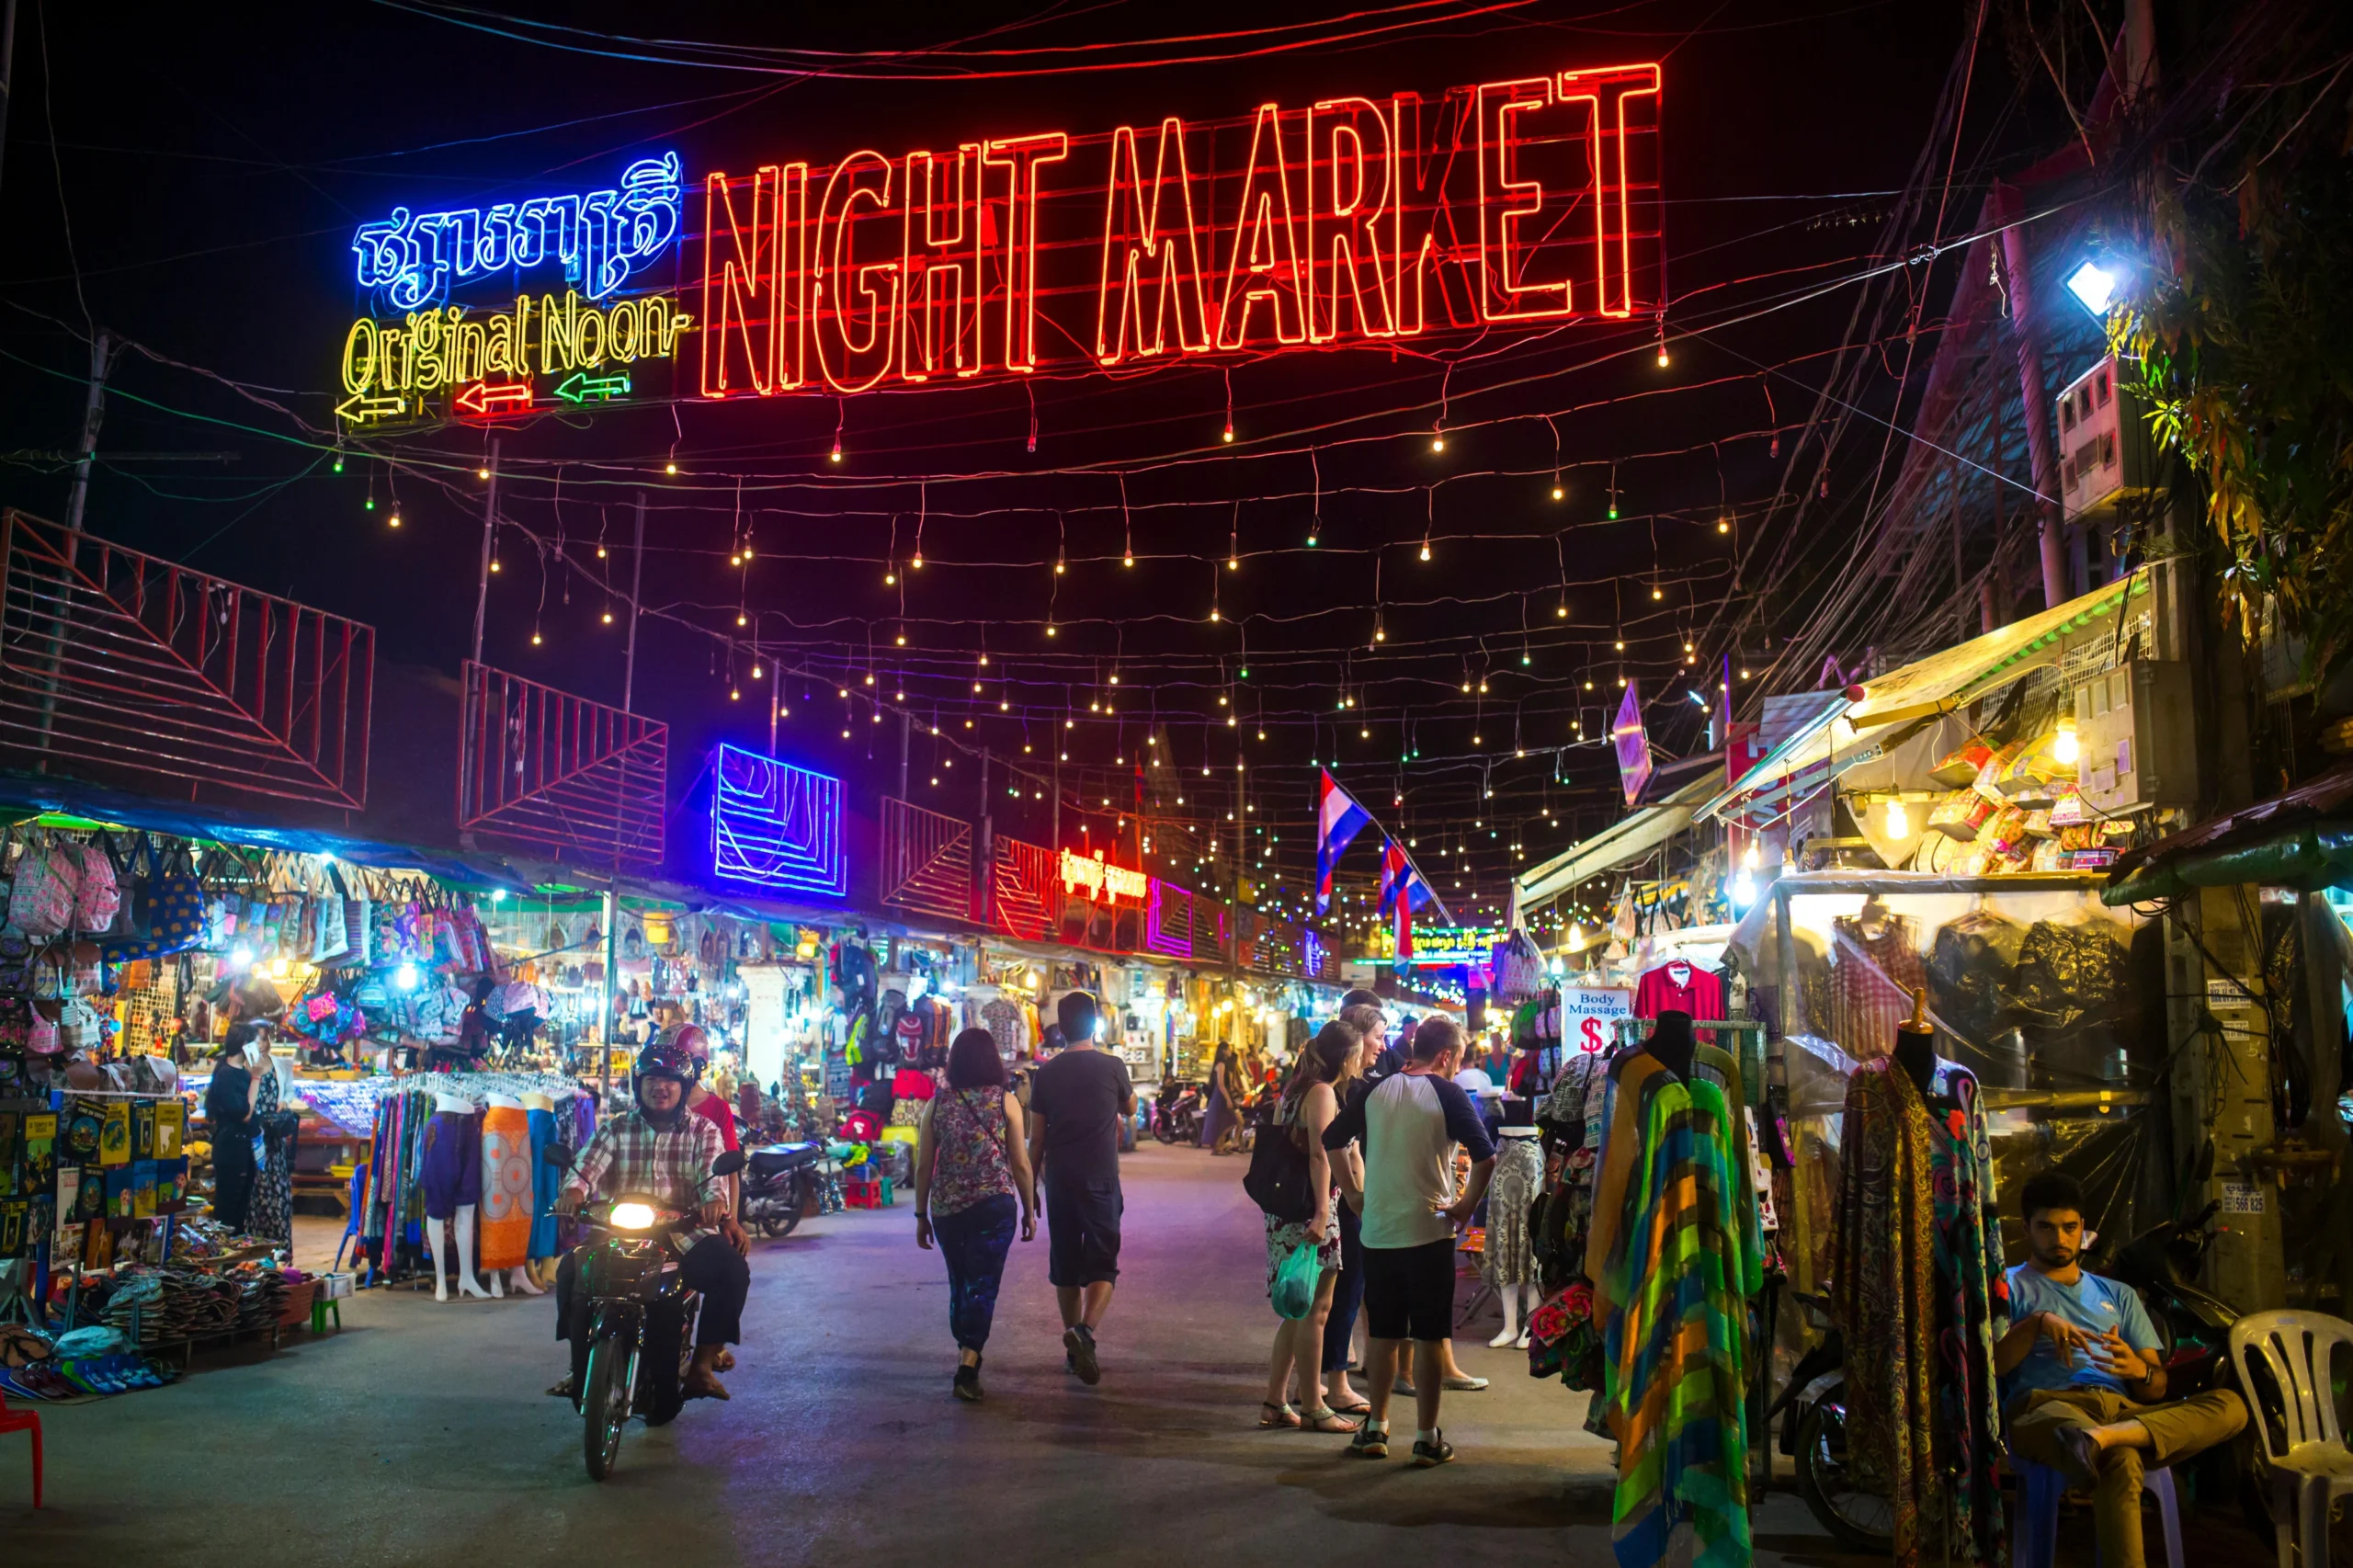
(41, 902)
(97, 898)
(329, 941)
(77, 1027)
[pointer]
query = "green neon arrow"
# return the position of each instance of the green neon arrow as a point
(359, 408)
(582, 386)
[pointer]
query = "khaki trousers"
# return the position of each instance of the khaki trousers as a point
(2177, 1430)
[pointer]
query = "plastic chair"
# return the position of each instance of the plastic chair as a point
(2039, 1489)
(24, 1421)
(2294, 1349)
(354, 1213)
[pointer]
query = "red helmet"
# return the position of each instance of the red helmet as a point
(689, 1038)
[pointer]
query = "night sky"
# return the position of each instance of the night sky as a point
(191, 180)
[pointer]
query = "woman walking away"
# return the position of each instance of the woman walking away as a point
(1223, 1119)
(971, 1162)
(1326, 1072)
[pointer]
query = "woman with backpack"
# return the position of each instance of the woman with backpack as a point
(1289, 1172)
(970, 1163)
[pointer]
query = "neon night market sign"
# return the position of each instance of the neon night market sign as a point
(776, 827)
(1103, 882)
(1339, 223)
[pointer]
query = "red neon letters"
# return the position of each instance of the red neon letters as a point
(1346, 222)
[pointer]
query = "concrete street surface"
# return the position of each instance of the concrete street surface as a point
(421, 1434)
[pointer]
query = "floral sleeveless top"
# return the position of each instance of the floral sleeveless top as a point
(968, 1135)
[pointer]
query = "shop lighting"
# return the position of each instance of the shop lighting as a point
(1899, 821)
(2066, 748)
(405, 978)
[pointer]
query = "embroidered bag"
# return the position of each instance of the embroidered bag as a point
(42, 904)
(97, 898)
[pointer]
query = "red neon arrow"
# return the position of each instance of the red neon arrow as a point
(484, 396)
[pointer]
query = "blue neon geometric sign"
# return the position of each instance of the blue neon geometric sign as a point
(775, 826)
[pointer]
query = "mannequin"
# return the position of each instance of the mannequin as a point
(508, 1194)
(1509, 1259)
(452, 1181)
(1915, 1046)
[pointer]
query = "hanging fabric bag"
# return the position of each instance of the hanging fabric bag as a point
(42, 904)
(96, 899)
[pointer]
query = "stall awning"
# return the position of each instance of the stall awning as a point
(1961, 674)
(2299, 839)
(1630, 840)
(1847, 732)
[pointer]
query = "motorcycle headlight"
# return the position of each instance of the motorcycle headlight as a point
(631, 1217)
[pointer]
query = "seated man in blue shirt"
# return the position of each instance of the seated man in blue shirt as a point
(2082, 1379)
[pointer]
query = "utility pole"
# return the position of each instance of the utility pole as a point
(94, 413)
(7, 65)
(612, 897)
(906, 727)
(985, 865)
(489, 539)
(2041, 445)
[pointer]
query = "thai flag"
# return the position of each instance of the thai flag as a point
(1402, 892)
(1338, 819)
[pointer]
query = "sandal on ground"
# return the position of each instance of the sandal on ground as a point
(1327, 1420)
(725, 1362)
(1276, 1416)
(564, 1390)
(1361, 1407)
(702, 1385)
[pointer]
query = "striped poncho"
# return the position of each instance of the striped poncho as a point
(1674, 1253)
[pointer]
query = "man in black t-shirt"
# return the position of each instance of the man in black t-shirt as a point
(1076, 1101)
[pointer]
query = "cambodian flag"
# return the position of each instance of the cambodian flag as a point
(1338, 819)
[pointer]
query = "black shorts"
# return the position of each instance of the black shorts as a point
(1409, 1291)
(1083, 1231)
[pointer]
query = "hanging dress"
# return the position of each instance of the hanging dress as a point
(1674, 1253)
(509, 1195)
(272, 1212)
(1917, 1286)
(547, 1183)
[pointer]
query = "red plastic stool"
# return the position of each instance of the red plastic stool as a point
(862, 1194)
(24, 1421)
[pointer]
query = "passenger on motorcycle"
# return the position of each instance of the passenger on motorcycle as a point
(665, 1153)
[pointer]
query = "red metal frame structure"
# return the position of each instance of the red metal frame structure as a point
(926, 860)
(1027, 884)
(558, 775)
(133, 665)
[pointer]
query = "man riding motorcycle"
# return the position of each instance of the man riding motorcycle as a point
(665, 1153)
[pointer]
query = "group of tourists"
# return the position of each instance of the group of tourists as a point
(1376, 1125)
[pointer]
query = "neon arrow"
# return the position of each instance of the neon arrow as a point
(484, 396)
(582, 386)
(359, 408)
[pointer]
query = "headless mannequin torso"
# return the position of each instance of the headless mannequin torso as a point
(462, 1224)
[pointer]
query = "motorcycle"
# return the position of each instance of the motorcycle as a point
(785, 1181)
(1815, 1436)
(1176, 1113)
(641, 1318)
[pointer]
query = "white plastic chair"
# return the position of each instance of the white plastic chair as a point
(2294, 1349)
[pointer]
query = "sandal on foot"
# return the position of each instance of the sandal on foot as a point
(1327, 1420)
(1361, 1407)
(1276, 1416)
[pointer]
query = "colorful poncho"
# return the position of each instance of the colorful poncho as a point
(1675, 1254)
(1917, 1286)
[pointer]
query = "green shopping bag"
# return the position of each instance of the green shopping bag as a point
(1295, 1282)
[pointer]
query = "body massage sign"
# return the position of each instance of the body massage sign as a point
(1344, 222)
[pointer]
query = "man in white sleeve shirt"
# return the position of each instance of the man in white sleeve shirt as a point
(1408, 1126)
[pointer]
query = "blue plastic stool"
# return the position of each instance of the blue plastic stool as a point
(2039, 1489)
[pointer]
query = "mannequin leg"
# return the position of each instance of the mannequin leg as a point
(1508, 1295)
(433, 1247)
(520, 1277)
(467, 1284)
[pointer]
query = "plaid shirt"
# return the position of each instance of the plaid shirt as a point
(673, 1168)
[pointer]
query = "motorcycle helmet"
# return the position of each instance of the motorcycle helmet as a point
(664, 1057)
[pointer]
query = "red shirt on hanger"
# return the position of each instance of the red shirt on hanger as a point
(1679, 986)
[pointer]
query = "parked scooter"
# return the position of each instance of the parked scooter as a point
(1176, 1113)
(1815, 1436)
(785, 1181)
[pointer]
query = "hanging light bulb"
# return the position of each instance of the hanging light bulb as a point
(1899, 821)
(1228, 430)
(1425, 550)
(1723, 525)
(835, 455)
(2066, 749)
(667, 468)
(396, 518)
(915, 561)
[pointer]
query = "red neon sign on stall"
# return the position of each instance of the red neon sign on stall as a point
(1344, 222)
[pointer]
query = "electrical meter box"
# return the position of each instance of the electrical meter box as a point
(2136, 738)
(2106, 454)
